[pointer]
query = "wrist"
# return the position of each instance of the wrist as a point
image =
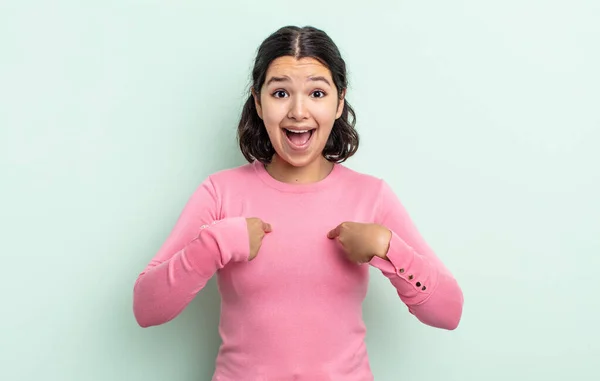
(383, 244)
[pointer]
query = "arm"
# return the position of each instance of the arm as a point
(197, 247)
(422, 281)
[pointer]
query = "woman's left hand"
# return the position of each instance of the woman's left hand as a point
(362, 241)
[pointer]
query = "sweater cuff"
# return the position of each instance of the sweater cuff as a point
(411, 271)
(219, 243)
(232, 238)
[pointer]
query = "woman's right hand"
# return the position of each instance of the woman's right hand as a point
(257, 229)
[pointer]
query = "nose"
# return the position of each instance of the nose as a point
(298, 110)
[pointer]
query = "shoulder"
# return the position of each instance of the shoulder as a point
(369, 186)
(361, 181)
(231, 177)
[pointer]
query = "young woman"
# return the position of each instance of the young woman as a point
(292, 233)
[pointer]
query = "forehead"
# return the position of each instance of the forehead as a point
(297, 68)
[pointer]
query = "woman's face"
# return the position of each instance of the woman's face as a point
(298, 105)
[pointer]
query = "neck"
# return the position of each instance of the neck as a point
(282, 171)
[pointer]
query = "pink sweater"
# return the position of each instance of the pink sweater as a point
(294, 312)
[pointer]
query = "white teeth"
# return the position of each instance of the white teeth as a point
(297, 132)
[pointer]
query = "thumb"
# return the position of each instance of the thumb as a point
(334, 232)
(267, 227)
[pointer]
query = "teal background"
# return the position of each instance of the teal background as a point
(483, 116)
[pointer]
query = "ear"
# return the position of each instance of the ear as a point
(257, 103)
(341, 103)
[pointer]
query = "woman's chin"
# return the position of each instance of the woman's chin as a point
(297, 160)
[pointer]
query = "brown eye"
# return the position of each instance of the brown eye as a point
(279, 94)
(318, 94)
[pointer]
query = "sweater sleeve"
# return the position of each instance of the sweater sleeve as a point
(422, 281)
(198, 246)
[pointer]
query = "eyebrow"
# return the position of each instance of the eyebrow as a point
(285, 78)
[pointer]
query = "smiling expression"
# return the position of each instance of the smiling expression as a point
(298, 104)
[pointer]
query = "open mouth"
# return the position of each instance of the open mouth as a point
(299, 138)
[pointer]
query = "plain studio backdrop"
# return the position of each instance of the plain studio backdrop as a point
(482, 115)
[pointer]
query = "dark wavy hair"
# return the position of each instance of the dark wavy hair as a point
(297, 42)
